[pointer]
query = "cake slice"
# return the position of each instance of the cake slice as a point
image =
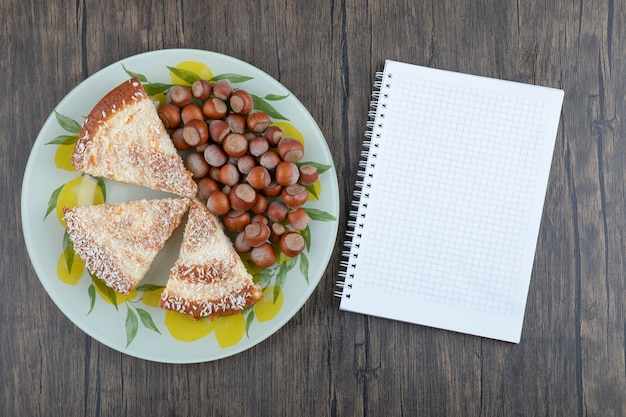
(208, 279)
(119, 242)
(123, 139)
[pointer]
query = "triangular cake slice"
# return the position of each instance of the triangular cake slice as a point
(124, 139)
(119, 242)
(209, 278)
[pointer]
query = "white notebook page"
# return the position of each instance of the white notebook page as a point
(454, 188)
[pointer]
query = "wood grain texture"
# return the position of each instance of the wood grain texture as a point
(571, 360)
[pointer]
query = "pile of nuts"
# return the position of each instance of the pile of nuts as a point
(247, 170)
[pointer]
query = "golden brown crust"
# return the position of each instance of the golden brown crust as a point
(124, 139)
(243, 298)
(106, 108)
(118, 242)
(209, 278)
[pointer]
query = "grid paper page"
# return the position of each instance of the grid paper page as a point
(455, 199)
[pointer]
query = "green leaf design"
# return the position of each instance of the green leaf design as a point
(52, 203)
(304, 267)
(234, 78)
(319, 215)
(100, 182)
(261, 104)
(290, 263)
(306, 234)
(249, 320)
(311, 188)
(132, 325)
(67, 242)
(321, 168)
(149, 287)
(63, 140)
(280, 281)
(281, 276)
(108, 292)
(66, 123)
(146, 320)
(275, 97)
(69, 256)
(92, 298)
(155, 88)
(188, 76)
(265, 277)
(131, 74)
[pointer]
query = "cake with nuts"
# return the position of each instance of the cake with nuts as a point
(123, 139)
(209, 278)
(118, 242)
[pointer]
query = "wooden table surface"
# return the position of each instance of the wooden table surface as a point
(324, 362)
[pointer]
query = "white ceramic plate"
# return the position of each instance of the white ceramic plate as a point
(137, 327)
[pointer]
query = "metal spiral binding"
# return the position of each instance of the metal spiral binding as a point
(364, 174)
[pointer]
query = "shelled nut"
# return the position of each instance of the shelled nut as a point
(273, 190)
(229, 175)
(245, 164)
(215, 155)
(235, 145)
(269, 160)
(191, 111)
(236, 220)
(287, 174)
(258, 146)
(277, 211)
(201, 89)
(206, 186)
(258, 121)
(263, 256)
(294, 196)
(180, 95)
(197, 165)
(196, 132)
(178, 140)
(218, 203)
(236, 122)
(277, 231)
(214, 108)
(290, 149)
(273, 134)
(256, 233)
(222, 89)
(259, 177)
(241, 102)
(261, 204)
(170, 115)
(240, 244)
(218, 129)
(298, 219)
(292, 244)
(242, 197)
(308, 174)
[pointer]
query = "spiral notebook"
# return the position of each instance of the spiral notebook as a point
(448, 205)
